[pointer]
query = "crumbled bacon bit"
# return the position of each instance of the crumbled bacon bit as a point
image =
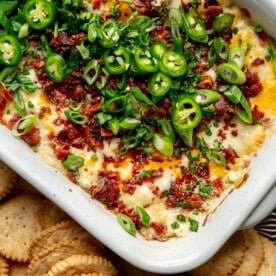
(258, 61)
(44, 110)
(206, 82)
(32, 138)
(107, 190)
(159, 228)
(252, 86)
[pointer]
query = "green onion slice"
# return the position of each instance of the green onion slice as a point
(23, 125)
(126, 223)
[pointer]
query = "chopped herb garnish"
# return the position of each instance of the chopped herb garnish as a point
(193, 225)
(175, 225)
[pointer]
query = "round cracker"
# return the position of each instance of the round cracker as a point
(82, 264)
(19, 226)
(50, 256)
(63, 231)
(50, 214)
(7, 179)
(4, 267)
(268, 266)
(254, 254)
(226, 260)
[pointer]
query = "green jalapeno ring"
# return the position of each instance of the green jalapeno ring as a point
(157, 50)
(76, 117)
(91, 72)
(159, 84)
(115, 105)
(194, 26)
(173, 64)
(186, 113)
(116, 61)
(222, 22)
(231, 73)
(145, 61)
(108, 34)
(39, 14)
(55, 67)
(10, 50)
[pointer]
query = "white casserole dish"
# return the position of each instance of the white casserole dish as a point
(245, 207)
(176, 255)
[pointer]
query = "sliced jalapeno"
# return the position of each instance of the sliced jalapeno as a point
(116, 61)
(159, 84)
(231, 73)
(194, 26)
(173, 64)
(157, 50)
(222, 22)
(55, 67)
(116, 104)
(39, 14)
(91, 71)
(108, 34)
(186, 113)
(144, 60)
(10, 50)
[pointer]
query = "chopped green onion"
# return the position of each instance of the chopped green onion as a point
(144, 216)
(23, 125)
(73, 162)
(231, 73)
(126, 223)
(193, 225)
(76, 117)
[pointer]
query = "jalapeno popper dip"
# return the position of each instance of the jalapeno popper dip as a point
(155, 109)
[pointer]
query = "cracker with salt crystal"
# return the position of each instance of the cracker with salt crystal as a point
(18, 226)
(83, 264)
(226, 260)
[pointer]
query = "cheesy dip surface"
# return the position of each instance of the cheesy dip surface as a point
(155, 109)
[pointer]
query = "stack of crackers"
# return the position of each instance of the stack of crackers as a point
(38, 238)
